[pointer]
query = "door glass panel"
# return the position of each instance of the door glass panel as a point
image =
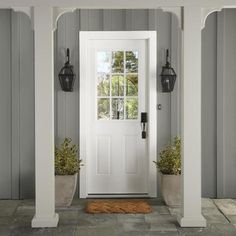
(103, 62)
(131, 85)
(117, 109)
(131, 108)
(103, 87)
(117, 85)
(131, 62)
(117, 88)
(103, 108)
(118, 62)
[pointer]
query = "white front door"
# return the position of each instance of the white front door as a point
(117, 158)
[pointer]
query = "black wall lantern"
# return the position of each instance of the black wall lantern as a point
(168, 76)
(66, 75)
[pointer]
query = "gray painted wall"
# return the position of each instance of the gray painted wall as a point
(17, 94)
(17, 106)
(209, 110)
(226, 109)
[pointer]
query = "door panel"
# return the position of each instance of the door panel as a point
(116, 160)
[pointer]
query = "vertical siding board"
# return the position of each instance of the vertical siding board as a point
(175, 60)
(227, 71)
(220, 104)
(61, 96)
(72, 107)
(163, 116)
(107, 20)
(209, 112)
(27, 134)
(15, 76)
(5, 104)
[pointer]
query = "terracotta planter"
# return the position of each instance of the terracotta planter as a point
(171, 189)
(65, 186)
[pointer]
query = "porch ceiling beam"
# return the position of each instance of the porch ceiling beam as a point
(114, 4)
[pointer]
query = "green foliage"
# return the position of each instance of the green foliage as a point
(170, 159)
(66, 161)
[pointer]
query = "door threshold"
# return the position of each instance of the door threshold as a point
(118, 196)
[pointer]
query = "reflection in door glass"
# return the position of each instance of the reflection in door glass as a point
(117, 109)
(131, 108)
(117, 85)
(118, 62)
(103, 87)
(132, 85)
(103, 62)
(132, 62)
(103, 109)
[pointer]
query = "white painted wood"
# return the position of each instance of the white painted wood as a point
(45, 215)
(191, 120)
(113, 4)
(177, 12)
(86, 133)
(115, 179)
(207, 11)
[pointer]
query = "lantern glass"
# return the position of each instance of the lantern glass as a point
(168, 76)
(67, 76)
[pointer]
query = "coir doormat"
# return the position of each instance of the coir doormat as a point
(118, 206)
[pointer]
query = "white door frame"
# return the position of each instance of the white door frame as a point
(150, 37)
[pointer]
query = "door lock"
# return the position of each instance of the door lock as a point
(144, 124)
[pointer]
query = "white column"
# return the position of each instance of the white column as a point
(45, 215)
(191, 119)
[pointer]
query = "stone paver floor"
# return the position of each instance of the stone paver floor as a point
(15, 218)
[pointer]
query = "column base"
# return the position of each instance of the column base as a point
(45, 222)
(198, 222)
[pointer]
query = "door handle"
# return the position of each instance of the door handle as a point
(144, 121)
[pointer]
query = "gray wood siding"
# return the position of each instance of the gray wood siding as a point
(17, 92)
(17, 106)
(5, 104)
(209, 109)
(226, 133)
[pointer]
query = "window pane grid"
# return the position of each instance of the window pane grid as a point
(122, 91)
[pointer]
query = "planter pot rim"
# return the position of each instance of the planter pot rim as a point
(67, 175)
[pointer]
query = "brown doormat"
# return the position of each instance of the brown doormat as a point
(118, 206)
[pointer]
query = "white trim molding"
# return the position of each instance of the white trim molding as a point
(29, 11)
(207, 11)
(113, 4)
(59, 11)
(177, 11)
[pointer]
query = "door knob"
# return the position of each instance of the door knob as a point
(144, 124)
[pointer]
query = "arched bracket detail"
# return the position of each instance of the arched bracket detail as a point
(206, 12)
(177, 11)
(26, 10)
(58, 11)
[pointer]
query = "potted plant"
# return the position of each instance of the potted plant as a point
(67, 166)
(169, 166)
